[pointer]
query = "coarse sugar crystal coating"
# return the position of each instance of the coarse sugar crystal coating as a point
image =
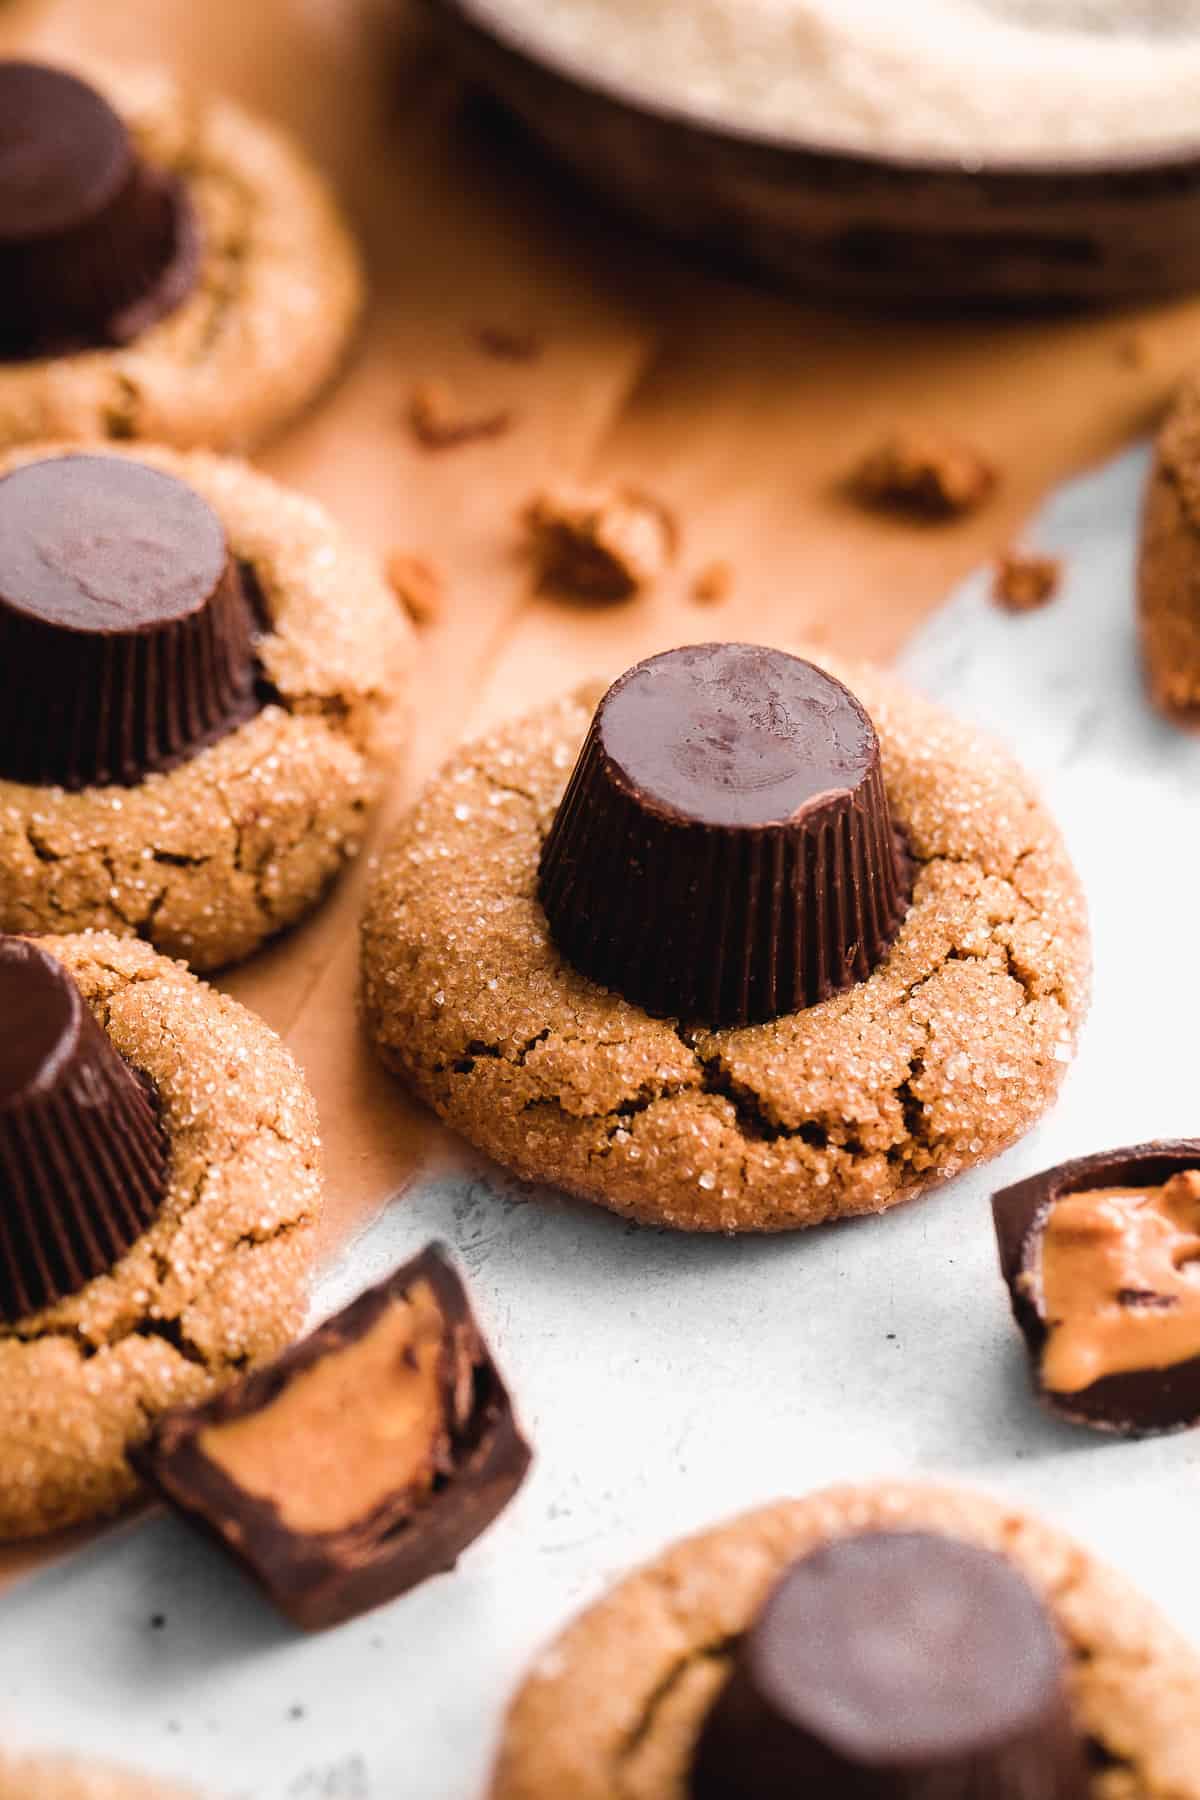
(612, 1708)
(218, 1280)
(276, 298)
(948, 1051)
(212, 857)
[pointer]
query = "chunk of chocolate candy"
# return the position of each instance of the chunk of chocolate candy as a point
(724, 851)
(361, 1462)
(895, 1666)
(1102, 1261)
(126, 635)
(83, 1158)
(94, 245)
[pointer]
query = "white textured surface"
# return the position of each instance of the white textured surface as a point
(666, 1382)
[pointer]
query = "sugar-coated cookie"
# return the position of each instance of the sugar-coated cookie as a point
(227, 843)
(945, 1053)
(614, 1708)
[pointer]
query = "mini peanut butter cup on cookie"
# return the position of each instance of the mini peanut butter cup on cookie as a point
(95, 243)
(126, 634)
(83, 1156)
(893, 1665)
(1102, 1261)
(724, 852)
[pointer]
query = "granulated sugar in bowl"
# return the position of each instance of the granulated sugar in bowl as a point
(975, 81)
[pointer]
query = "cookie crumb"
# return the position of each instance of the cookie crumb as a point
(418, 585)
(507, 344)
(439, 422)
(599, 545)
(1025, 580)
(924, 473)
(713, 584)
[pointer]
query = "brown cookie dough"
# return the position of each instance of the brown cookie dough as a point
(211, 858)
(947, 1053)
(1169, 566)
(219, 1280)
(612, 1708)
(265, 327)
(63, 1778)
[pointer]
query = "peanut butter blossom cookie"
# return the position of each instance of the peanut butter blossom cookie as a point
(1169, 566)
(774, 953)
(891, 1641)
(159, 1188)
(170, 268)
(196, 675)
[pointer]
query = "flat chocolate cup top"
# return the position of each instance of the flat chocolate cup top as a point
(735, 734)
(39, 1020)
(904, 1647)
(126, 631)
(895, 1664)
(99, 544)
(64, 152)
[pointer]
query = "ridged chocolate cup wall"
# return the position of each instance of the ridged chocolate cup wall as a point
(83, 1158)
(1141, 1401)
(895, 1666)
(94, 245)
(126, 636)
(724, 851)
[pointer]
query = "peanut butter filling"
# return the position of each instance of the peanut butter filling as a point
(1120, 1282)
(365, 1422)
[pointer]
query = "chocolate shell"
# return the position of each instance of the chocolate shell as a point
(895, 1666)
(94, 245)
(126, 635)
(83, 1158)
(1141, 1401)
(724, 850)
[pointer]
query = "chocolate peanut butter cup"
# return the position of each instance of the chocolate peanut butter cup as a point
(126, 634)
(724, 851)
(895, 1666)
(94, 244)
(362, 1461)
(1102, 1260)
(83, 1158)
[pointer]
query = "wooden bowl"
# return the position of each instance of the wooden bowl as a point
(867, 227)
